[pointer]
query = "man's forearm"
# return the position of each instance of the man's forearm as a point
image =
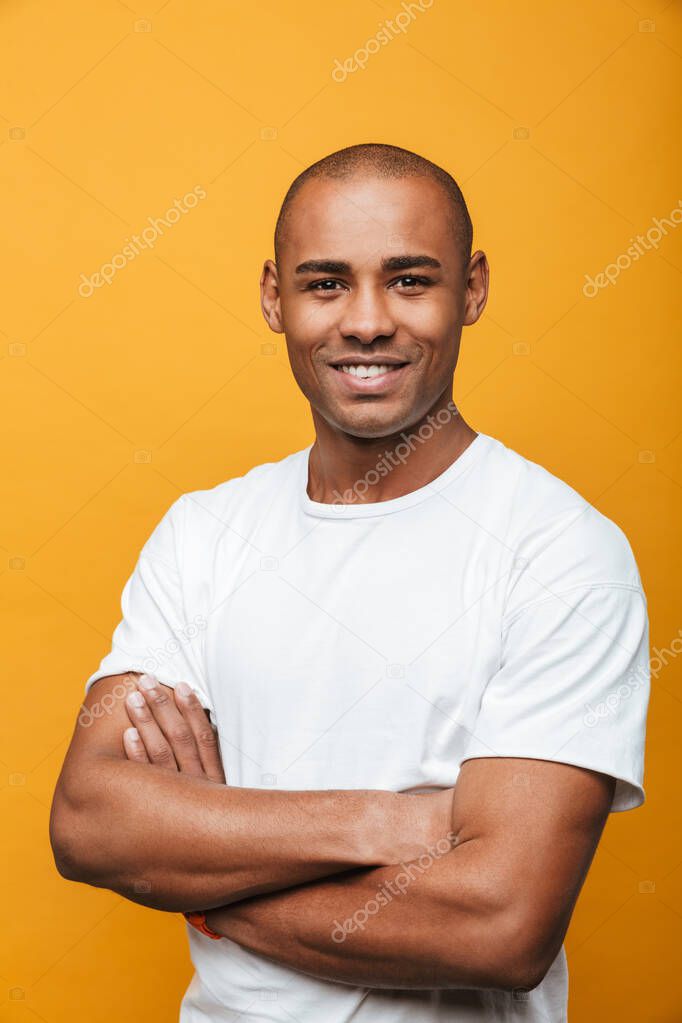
(176, 842)
(423, 925)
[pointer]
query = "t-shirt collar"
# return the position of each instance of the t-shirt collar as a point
(362, 508)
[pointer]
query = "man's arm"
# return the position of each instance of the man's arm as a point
(491, 913)
(173, 840)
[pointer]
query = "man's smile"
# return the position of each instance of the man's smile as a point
(355, 376)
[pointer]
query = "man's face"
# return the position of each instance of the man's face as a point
(370, 276)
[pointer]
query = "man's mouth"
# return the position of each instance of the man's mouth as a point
(358, 376)
(366, 372)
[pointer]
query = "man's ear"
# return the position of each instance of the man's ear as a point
(477, 285)
(270, 297)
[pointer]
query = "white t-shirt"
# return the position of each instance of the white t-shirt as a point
(493, 612)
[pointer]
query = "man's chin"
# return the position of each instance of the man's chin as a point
(369, 423)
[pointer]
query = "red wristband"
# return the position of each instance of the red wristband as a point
(198, 920)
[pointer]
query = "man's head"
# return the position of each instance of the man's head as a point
(373, 265)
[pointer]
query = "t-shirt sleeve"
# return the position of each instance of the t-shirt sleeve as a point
(155, 634)
(573, 680)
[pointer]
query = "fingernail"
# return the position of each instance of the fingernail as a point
(183, 689)
(133, 734)
(137, 699)
(147, 682)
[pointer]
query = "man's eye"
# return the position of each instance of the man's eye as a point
(319, 285)
(407, 280)
(414, 282)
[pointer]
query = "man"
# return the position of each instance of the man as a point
(424, 657)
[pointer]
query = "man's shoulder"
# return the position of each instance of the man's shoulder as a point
(218, 504)
(554, 526)
(530, 484)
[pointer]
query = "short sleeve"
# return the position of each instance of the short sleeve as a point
(573, 686)
(155, 634)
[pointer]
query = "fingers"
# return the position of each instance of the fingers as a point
(157, 747)
(174, 729)
(167, 736)
(134, 747)
(204, 735)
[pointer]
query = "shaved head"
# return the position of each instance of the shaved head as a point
(374, 159)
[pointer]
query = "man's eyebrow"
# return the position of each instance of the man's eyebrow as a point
(407, 262)
(323, 266)
(335, 266)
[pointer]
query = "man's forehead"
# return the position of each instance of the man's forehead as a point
(367, 199)
(403, 215)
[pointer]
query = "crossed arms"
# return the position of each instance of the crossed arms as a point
(472, 887)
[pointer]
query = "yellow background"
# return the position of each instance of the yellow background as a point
(559, 120)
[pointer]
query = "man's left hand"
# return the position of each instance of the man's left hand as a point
(171, 729)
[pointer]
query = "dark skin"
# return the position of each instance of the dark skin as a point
(414, 313)
(165, 831)
(494, 910)
(526, 831)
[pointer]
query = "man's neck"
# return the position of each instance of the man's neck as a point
(353, 470)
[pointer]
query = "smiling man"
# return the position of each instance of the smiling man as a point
(424, 658)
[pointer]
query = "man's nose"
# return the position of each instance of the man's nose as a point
(366, 315)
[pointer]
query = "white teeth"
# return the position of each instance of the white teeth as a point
(367, 371)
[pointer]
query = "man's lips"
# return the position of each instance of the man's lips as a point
(368, 360)
(376, 378)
